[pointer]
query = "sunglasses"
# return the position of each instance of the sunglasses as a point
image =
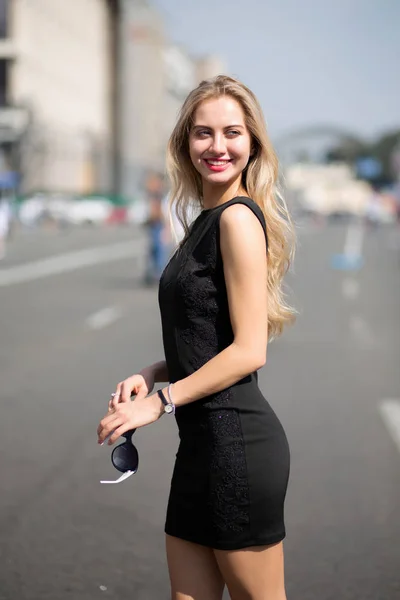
(125, 458)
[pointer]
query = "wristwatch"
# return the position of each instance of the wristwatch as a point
(169, 407)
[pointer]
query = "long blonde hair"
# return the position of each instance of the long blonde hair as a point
(259, 180)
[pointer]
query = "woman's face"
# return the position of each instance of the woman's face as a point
(219, 141)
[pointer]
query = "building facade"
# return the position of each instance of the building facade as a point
(155, 77)
(209, 66)
(180, 79)
(141, 86)
(56, 92)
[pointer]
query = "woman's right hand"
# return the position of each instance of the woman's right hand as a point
(139, 385)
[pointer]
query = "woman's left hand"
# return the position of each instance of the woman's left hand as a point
(129, 415)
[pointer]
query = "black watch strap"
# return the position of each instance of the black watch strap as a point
(168, 406)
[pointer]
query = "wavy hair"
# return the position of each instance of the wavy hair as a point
(259, 180)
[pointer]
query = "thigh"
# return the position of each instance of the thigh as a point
(193, 571)
(255, 573)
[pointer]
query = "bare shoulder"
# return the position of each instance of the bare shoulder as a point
(238, 220)
(238, 213)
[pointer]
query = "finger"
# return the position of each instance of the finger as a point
(115, 397)
(118, 432)
(110, 402)
(106, 438)
(107, 425)
(113, 403)
(142, 393)
(104, 421)
(125, 393)
(101, 432)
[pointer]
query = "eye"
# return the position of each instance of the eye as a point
(202, 132)
(233, 132)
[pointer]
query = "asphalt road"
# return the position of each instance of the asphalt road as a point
(68, 337)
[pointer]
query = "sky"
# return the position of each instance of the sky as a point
(308, 61)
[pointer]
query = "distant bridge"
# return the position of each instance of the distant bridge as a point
(309, 134)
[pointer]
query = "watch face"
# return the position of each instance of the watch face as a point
(169, 408)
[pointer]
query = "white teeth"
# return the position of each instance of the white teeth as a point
(217, 163)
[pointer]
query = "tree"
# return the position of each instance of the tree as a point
(383, 150)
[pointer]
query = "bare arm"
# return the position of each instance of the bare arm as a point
(158, 372)
(139, 384)
(243, 248)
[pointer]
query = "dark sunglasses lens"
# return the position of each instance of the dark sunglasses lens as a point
(125, 458)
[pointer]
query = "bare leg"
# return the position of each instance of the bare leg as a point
(193, 571)
(255, 573)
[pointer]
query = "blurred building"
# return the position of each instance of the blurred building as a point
(155, 77)
(141, 87)
(327, 188)
(208, 67)
(180, 79)
(89, 93)
(56, 92)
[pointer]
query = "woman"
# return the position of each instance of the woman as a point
(221, 300)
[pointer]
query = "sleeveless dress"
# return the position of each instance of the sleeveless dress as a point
(232, 467)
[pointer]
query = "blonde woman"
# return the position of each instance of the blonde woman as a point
(221, 300)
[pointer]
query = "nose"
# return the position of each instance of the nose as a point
(218, 145)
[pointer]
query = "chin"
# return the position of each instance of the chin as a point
(220, 178)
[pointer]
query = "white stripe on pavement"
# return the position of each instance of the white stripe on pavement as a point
(390, 413)
(103, 317)
(70, 261)
(354, 240)
(350, 288)
(362, 331)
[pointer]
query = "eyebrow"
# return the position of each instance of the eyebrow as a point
(227, 127)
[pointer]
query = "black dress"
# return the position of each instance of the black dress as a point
(232, 466)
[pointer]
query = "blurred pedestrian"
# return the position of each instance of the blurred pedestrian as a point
(5, 224)
(221, 300)
(396, 195)
(156, 253)
(373, 209)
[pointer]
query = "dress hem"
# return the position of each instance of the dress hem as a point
(275, 539)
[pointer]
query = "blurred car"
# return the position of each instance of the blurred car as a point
(90, 211)
(32, 210)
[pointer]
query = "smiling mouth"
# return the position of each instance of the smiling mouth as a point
(217, 162)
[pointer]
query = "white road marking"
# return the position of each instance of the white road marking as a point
(390, 413)
(70, 261)
(351, 259)
(103, 317)
(361, 331)
(354, 240)
(350, 288)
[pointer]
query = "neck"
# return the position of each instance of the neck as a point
(214, 195)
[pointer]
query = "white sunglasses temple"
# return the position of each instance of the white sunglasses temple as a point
(124, 476)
